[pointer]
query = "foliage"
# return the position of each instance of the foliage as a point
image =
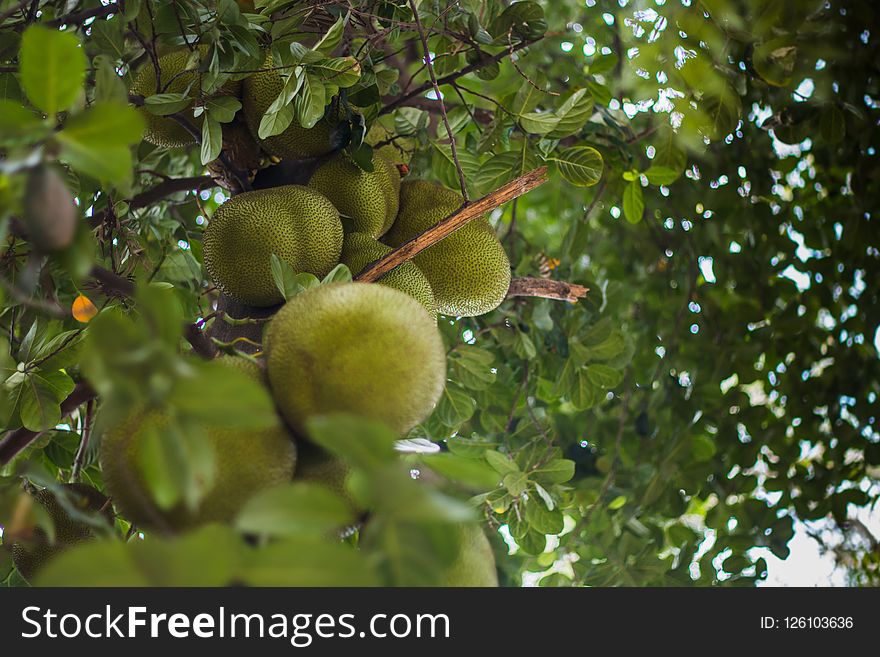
(712, 170)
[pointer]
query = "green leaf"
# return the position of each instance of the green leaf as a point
(633, 202)
(339, 274)
(309, 103)
(410, 120)
(603, 376)
(52, 67)
(573, 114)
(579, 165)
(274, 123)
(109, 123)
(18, 124)
(367, 444)
(501, 463)
(222, 108)
(294, 509)
(539, 123)
(584, 394)
(543, 520)
(42, 394)
(661, 175)
(212, 139)
(470, 472)
(168, 103)
(109, 87)
(557, 471)
(307, 561)
(338, 72)
(330, 40)
(524, 19)
(456, 406)
(288, 282)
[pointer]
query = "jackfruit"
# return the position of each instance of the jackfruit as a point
(360, 348)
(359, 250)
(475, 565)
(162, 131)
(29, 555)
(469, 271)
(296, 223)
(295, 143)
(245, 462)
(367, 200)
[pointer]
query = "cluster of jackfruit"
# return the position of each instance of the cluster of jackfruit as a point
(372, 350)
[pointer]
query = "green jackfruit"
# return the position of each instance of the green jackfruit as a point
(367, 200)
(245, 461)
(296, 223)
(469, 271)
(162, 131)
(295, 143)
(359, 348)
(475, 565)
(359, 250)
(29, 555)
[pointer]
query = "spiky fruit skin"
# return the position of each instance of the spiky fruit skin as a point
(296, 223)
(359, 348)
(29, 556)
(367, 200)
(359, 250)
(162, 131)
(295, 143)
(469, 271)
(246, 461)
(475, 566)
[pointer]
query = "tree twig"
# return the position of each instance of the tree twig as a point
(451, 77)
(157, 193)
(406, 251)
(80, 17)
(527, 286)
(430, 65)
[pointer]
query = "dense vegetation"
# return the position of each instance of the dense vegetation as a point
(711, 173)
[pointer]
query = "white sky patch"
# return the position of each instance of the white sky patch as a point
(706, 269)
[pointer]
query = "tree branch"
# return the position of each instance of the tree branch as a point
(80, 17)
(526, 286)
(446, 79)
(157, 193)
(430, 64)
(406, 251)
(16, 440)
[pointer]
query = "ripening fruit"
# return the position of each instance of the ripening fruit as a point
(245, 461)
(475, 565)
(296, 223)
(359, 348)
(469, 271)
(367, 200)
(359, 250)
(295, 143)
(31, 554)
(175, 78)
(49, 211)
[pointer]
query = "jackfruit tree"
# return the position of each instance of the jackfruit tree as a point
(449, 293)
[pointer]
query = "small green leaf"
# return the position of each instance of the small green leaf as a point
(212, 139)
(293, 509)
(557, 471)
(603, 376)
(579, 165)
(274, 123)
(501, 463)
(42, 394)
(330, 40)
(309, 103)
(222, 108)
(165, 104)
(52, 67)
(288, 282)
(633, 202)
(467, 471)
(109, 123)
(661, 175)
(367, 444)
(339, 274)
